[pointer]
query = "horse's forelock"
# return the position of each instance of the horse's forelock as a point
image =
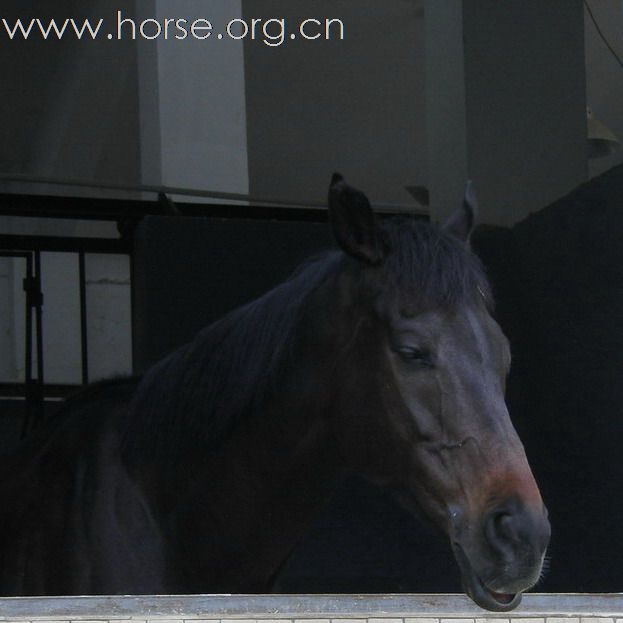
(431, 269)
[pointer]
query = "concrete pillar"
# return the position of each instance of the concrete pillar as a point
(604, 87)
(355, 104)
(192, 99)
(506, 104)
(445, 105)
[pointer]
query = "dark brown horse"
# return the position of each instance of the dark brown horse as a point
(202, 476)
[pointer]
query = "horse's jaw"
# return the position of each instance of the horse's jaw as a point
(475, 588)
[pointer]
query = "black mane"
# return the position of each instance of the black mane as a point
(200, 391)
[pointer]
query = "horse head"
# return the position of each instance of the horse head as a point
(424, 379)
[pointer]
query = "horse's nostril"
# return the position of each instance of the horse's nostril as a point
(514, 528)
(505, 526)
(501, 529)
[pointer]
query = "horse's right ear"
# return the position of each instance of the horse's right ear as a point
(353, 221)
(462, 222)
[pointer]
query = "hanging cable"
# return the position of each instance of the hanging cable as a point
(601, 34)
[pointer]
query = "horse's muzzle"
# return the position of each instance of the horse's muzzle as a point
(507, 558)
(475, 588)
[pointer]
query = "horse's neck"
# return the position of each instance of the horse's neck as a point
(253, 500)
(261, 490)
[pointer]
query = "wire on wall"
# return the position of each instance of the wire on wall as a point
(601, 34)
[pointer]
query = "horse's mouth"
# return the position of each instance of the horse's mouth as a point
(478, 591)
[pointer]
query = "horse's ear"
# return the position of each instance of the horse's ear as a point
(462, 222)
(353, 221)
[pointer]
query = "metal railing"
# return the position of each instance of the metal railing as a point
(34, 390)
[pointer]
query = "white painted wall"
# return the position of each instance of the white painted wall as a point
(109, 315)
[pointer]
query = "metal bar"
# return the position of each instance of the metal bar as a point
(54, 390)
(39, 324)
(188, 192)
(120, 209)
(28, 352)
(289, 607)
(64, 244)
(34, 389)
(84, 345)
(15, 254)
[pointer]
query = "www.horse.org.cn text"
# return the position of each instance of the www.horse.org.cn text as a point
(273, 32)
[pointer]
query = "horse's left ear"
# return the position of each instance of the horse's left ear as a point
(353, 221)
(462, 222)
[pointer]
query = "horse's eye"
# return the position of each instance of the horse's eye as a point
(417, 356)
